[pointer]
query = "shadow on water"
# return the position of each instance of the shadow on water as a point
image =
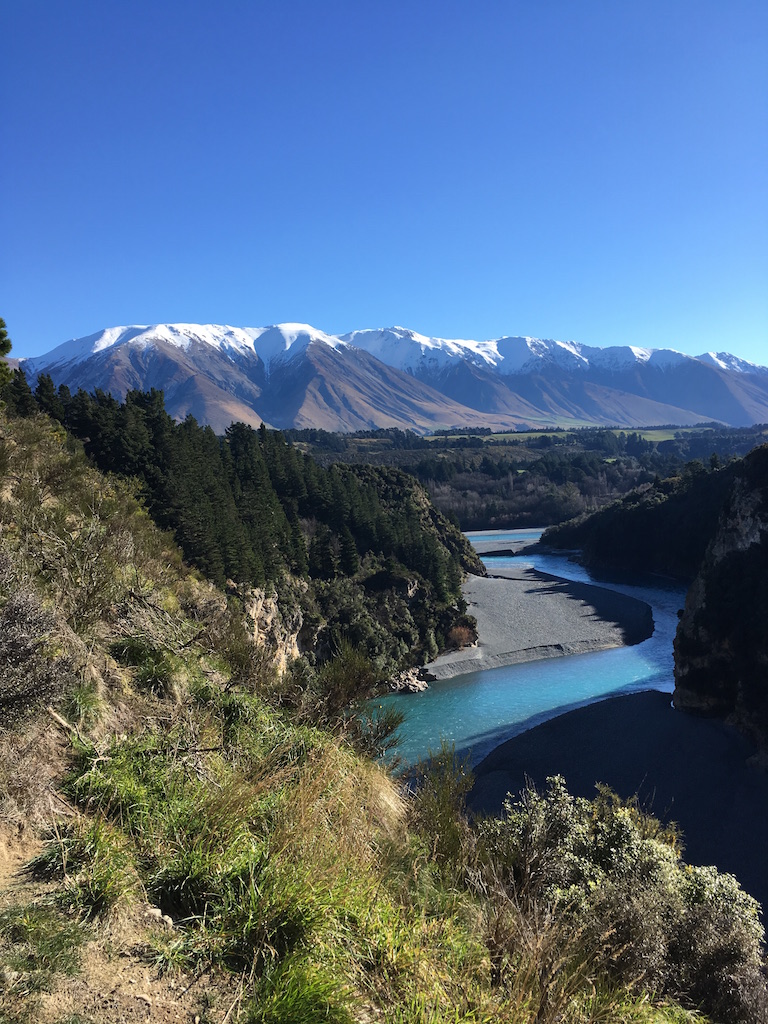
(481, 709)
(479, 745)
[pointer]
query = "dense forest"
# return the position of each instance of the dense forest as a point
(382, 567)
(507, 481)
(663, 527)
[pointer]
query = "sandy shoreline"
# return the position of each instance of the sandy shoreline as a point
(524, 615)
(694, 771)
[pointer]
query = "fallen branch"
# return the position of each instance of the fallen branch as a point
(71, 729)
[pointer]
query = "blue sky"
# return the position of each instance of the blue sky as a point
(594, 171)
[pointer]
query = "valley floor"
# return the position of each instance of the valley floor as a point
(524, 615)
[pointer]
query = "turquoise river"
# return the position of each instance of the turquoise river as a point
(479, 710)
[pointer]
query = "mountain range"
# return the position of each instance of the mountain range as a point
(293, 375)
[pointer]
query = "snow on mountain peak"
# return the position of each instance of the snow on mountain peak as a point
(408, 350)
(725, 361)
(397, 346)
(265, 342)
(281, 341)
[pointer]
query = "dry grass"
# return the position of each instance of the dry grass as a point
(32, 765)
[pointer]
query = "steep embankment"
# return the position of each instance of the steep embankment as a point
(712, 526)
(721, 647)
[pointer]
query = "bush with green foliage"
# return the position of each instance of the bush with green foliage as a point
(647, 919)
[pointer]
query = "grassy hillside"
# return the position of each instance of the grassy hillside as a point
(196, 846)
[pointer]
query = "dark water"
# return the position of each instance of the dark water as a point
(479, 710)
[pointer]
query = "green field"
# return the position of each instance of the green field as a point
(647, 433)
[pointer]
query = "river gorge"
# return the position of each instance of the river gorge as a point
(477, 710)
(603, 716)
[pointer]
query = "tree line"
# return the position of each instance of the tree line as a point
(249, 507)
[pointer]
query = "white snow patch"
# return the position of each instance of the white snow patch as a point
(725, 361)
(282, 340)
(399, 347)
(618, 357)
(664, 357)
(408, 350)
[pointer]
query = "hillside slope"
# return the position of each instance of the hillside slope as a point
(721, 647)
(663, 527)
(710, 528)
(199, 847)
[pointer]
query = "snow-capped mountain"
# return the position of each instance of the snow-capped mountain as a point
(296, 375)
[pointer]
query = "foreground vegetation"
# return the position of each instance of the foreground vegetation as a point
(197, 819)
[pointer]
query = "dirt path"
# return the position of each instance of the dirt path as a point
(118, 982)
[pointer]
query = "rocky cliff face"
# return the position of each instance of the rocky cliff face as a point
(276, 623)
(721, 647)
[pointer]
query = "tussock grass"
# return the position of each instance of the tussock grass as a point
(197, 780)
(38, 943)
(38, 946)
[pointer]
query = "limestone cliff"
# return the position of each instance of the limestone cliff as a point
(721, 647)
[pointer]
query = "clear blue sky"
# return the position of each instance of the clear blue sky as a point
(593, 170)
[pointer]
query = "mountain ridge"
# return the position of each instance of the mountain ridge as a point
(295, 375)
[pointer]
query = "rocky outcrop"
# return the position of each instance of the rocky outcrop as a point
(411, 680)
(276, 622)
(721, 647)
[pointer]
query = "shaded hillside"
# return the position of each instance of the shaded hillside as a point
(663, 527)
(181, 839)
(721, 647)
(710, 527)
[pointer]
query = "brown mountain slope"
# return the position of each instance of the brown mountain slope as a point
(292, 375)
(348, 389)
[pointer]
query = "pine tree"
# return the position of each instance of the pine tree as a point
(5, 341)
(322, 564)
(5, 348)
(349, 562)
(47, 398)
(299, 557)
(18, 395)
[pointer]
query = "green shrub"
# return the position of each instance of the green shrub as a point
(438, 807)
(39, 943)
(646, 918)
(154, 670)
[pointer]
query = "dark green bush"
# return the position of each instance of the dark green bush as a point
(154, 671)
